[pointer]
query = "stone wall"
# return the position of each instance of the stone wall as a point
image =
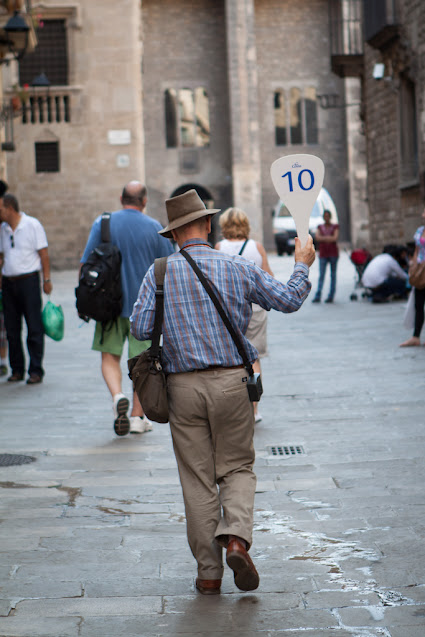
(124, 56)
(395, 207)
(184, 46)
(293, 50)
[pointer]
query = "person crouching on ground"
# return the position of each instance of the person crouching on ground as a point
(385, 277)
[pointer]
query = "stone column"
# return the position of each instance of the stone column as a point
(243, 96)
(357, 172)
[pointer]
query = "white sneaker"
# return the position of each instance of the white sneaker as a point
(121, 420)
(258, 417)
(140, 425)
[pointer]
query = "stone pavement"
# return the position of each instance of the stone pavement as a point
(92, 534)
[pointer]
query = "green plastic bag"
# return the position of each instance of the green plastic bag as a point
(53, 321)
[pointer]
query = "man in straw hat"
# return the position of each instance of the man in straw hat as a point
(211, 416)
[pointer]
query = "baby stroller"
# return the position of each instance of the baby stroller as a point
(359, 258)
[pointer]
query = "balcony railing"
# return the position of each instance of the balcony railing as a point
(380, 22)
(39, 108)
(53, 108)
(346, 37)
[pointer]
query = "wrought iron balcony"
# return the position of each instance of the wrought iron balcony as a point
(380, 22)
(346, 37)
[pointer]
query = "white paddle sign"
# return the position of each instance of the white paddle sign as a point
(298, 180)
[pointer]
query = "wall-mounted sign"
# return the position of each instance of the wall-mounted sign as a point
(119, 137)
(123, 161)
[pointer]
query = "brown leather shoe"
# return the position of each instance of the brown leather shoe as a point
(246, 576)
(208, 586)
(34, 379)
(15, 378)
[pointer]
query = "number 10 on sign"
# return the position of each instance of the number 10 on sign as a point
(298, 180)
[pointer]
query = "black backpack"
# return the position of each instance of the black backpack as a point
(99, 291)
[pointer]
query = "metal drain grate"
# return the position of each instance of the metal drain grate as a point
(9, 459)
(283, 451)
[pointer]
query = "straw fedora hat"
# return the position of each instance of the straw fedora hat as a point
(183, 209)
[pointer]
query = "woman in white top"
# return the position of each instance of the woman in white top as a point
(235, 228)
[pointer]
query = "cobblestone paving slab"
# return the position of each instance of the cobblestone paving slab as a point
(93, 537)
(40, 627)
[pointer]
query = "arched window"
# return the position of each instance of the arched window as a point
(311, 125)
(202, 117)
(170, 118)
(187, 120)
(280, 118)
(187, 117)
(295, 116)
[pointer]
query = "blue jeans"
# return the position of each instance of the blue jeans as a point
(323, 262)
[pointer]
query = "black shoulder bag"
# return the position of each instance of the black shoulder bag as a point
(145, 370)
(255, 387)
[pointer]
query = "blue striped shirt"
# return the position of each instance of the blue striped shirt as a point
(194, 335)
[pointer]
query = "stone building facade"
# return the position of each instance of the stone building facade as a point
(97, 92)
(178, 93)
(394, 105)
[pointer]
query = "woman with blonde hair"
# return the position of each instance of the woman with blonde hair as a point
(235, 228)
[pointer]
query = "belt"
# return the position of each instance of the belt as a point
(215, 367)
(20, 276)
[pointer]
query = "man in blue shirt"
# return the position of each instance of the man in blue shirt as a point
(136, 236)
(211, 417)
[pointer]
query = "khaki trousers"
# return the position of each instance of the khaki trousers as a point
(212, 426)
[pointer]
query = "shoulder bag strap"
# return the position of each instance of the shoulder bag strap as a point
(160, 267)
(105, 228)
(243, 248)
(235, 336)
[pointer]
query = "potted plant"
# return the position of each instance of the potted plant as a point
(20, 96)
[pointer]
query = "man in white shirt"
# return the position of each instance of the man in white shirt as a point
(23, 253)
(385, 277)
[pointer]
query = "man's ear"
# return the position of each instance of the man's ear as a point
(209, 222)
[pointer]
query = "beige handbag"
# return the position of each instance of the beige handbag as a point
(417, 275)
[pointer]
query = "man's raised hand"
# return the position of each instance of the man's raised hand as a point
(305, 254)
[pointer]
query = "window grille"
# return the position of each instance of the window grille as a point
(408, 132)
(50, 55)
(47, 157)
(346, 29)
